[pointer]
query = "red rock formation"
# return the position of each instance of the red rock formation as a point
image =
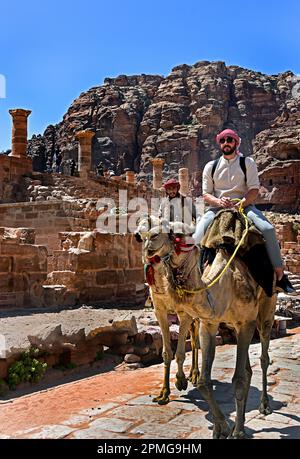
(136, 118)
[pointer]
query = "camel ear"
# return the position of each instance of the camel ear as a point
(138, 237)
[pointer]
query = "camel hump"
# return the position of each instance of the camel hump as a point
(227, 228)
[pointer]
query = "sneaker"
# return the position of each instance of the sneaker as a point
(284, 285)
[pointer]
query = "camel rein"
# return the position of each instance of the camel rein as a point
(181, 290)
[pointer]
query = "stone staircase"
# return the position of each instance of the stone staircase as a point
(289, 305)
(295, 280)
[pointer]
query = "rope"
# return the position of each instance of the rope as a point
(181, 291)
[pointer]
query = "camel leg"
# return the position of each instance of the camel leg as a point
(265, 321)
(208, 346)
(242, 377)
(167, 354)
(265, 333)
(185, 323)
(248, 375)
(195, 373)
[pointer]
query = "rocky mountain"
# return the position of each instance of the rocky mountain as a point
(136, 118)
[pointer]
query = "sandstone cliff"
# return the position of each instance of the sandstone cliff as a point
(177, 117)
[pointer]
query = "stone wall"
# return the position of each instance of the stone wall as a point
(291, 253)
(47, 218)
(288, 235)
(42, 187)
(11, 171)
(23, 268)
(101, 268)
(280, 186)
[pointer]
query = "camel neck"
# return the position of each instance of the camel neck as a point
(185, 268)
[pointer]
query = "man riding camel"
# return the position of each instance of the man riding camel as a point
(234, 176)
(175, 207)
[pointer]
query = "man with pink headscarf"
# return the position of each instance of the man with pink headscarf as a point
(225, 181)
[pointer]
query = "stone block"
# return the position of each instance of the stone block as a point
(134, 275)
(25, 264)
(119, 261)
(97, 294)
(123, 349)
(110, 277)
(7, 282)
(126, 291)
(132, 358)
(112, 339)
(12, 300)
(5, 264)
(112, 424)
(91, 260)
(67, 278)
(84, 353)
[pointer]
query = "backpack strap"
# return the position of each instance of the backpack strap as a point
(215, 163)
(243, 166)
(182, 207)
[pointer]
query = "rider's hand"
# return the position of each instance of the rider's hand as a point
(226, 203)
(240, 203)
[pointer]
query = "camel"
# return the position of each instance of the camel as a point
(235, 299)
(163, 305)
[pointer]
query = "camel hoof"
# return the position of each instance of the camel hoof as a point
(181, 383)
(265, 409)
(237, 434)
(221, 430)
(162, 398)
(193, 378)
(163, 401)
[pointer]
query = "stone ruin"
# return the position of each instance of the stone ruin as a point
(52, 254)
(53, 258)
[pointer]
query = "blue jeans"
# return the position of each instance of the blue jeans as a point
(259, 220)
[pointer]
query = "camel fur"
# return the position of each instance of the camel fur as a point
(236, 299)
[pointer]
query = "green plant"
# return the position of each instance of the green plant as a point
(27, 368)
(295, 227)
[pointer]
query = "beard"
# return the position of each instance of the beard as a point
(228, 151)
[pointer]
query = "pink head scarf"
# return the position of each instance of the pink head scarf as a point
(229, 133)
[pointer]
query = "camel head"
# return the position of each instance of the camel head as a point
(156, 236)
(161, 238)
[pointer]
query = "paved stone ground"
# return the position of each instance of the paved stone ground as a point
(118, 404)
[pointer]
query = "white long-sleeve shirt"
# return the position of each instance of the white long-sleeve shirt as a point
(178, 209)
(229, 178)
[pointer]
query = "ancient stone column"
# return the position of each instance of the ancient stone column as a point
(85, 152)
(19, 132)
(183, 175)
(157, 164)
(130, 177)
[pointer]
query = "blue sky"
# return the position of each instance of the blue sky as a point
(51, 51)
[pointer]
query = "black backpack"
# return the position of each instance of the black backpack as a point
(242, 166)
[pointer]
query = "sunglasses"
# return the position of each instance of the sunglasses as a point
(227, 139)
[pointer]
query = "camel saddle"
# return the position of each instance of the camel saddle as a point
(226, 232)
